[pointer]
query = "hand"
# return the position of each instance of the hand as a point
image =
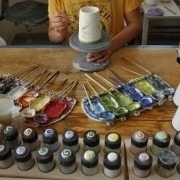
(60, 22)
(99, 56)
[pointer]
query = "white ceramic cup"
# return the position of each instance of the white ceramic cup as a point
(89, 24)
(151, 2)
(176, 97)
(176, 120)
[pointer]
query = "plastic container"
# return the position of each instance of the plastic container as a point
(112, 164)
(166, 163)
(6, 104)
(160, 142)
(30, 138)
(139, 140)
(11, 136)
(45, 159)
(89, 163)
(24, 158)
(67, 161)
(175, 147)
(70, 140)
(112, 142)
(6, 157)
(142, 164)
(50, 138)
(91, 141)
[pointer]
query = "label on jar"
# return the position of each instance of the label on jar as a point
(69, 134)
(8, 130)
(21, 150)
(2, 147)
(139, 135)
(143, 157)
(43, 151)
(162, 135)
(28, 132)
(112, 156)
(48, 132)
(89, 155)
(66, 153)
(113, 137)
(90, 135)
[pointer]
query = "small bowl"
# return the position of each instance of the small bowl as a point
(28, 113)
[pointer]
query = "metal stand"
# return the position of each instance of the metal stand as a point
(80, 62)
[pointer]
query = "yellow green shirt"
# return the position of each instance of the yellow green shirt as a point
(111, 12)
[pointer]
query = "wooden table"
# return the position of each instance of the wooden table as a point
(159, 60)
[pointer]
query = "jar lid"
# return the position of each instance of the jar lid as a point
(112, 160)
(112, 140)
(139, 139)
(29, 135)
(70, 138)
(22, 153)
(5, 151)
(91, 138)
(67, 157)
(5, 102)
(167, 159)
(10, 133)
(44, 155)
(177, 138)
(50, 136)
(161, 139)
(89, 159)
(143, 160)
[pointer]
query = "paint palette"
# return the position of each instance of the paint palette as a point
(128, 99)
(38, 106)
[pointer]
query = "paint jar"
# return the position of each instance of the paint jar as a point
(6, 104)
(139, 140)
(89, 163)
(112, 142)
(166, 163)
(17, 119)
(142, 164)
(24, 158)
(112, 164)
(6, 157)
(11, 136)
(70, 140)
(30, 138)
(50, 138)
(45, 159)
(175, 147)
(91, 141)
(67, 161)
(160, 142)
(178, 167)
(1, 133)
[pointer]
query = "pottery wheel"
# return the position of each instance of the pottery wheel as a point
(80, 62)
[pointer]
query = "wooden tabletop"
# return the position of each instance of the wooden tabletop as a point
(159, 60)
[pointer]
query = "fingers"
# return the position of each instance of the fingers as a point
(60, 21)
(98, 57)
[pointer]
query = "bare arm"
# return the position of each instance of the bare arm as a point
(133, 20)
(58, 27)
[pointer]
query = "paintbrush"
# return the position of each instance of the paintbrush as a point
(105, 89)
(106, 81)
(87, 95)
(138, 65)
(47, 81)
(38, 75)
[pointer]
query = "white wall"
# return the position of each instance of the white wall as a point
(8, 29)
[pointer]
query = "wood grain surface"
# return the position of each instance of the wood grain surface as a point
(161, 61)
